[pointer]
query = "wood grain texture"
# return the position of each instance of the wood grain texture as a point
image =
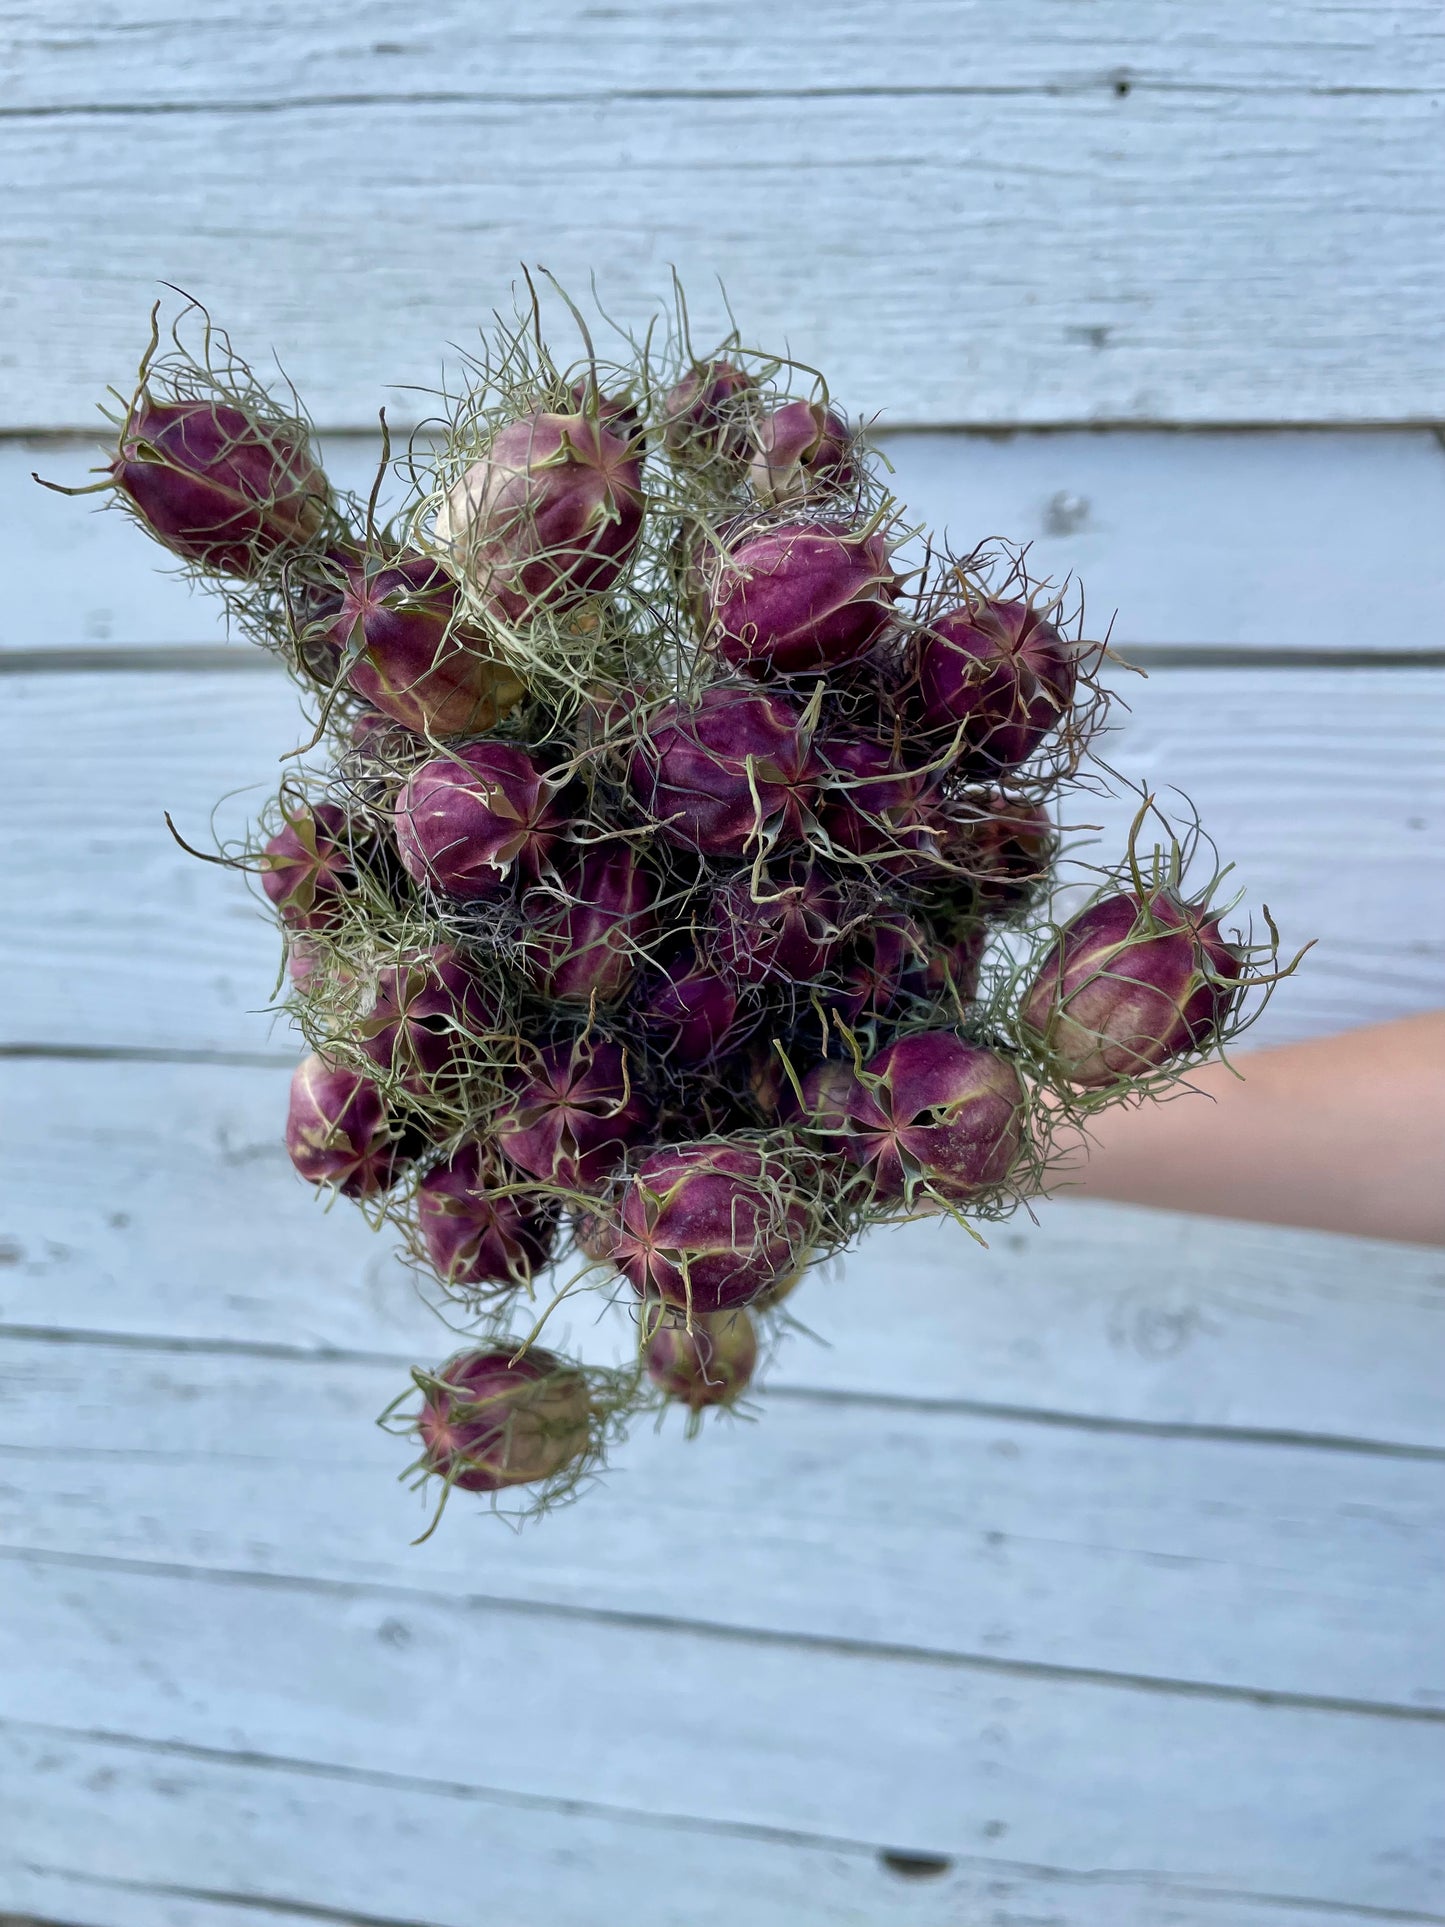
(1097, 1568)
(1031, 1550)
(187, 962)
(1019, 257)
(177, 1837)
(922, 1756)
(1283, 541)
(1097, 1314)
(258, 52)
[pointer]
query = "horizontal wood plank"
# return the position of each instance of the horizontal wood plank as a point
(154, 1203)
(249, 50)
(916, 1755)
(1024, 257)
(1267, 542)
(188, 963)
(172, 1837)
(1221, 1563)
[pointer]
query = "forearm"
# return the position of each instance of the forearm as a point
(1340, 1134)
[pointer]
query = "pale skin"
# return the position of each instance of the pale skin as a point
(1341, 1134)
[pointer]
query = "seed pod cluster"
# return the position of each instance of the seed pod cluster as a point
(670, 894)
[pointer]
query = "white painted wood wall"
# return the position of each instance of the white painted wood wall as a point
(1093, 1581)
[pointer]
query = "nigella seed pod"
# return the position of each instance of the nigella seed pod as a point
(1003, 844)
(704, 417)
(465, 823)
(571, 1114)
(427, 1007)
(308, 866)
(688, 1010)
(217, 485)
(798, 596)
(999, 671)
(552, 511)
(877, 968)
(492, 1419)
(708, 1225)
(787, 924)
(951, 969)
(620, 412)
(594, 1233)
(475, 1231)
(804, 448)
(767, 1082)
(311, 963)
(1129, 985)
(875, 807)
(585, 932)
(338, 1132)
(823, 1108)
(733, 771)
(936, 1112)
(712, 1363)
(397, 639)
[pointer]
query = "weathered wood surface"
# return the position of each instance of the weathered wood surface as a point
(1299, 775)
(1115, 220)
(1221, 1565)
(153, 1204)
(1249, 541)
(1099, 1566)
(101, 55)
(923, 1756)
(192, 1837)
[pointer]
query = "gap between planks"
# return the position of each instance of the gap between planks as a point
(201, 657)
(721, 1632)
(1105, 1425)
(650, 1820)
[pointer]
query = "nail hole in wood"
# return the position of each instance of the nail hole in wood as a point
(914, 1866)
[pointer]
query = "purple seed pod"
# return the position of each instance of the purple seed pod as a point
(952, 967)
(308, 964)
(879, 964)
(426, 1008)
(790, 929)
(620, 412)
(492, 1419)
(827, 1093)
(708, 1226)
(304, 963)
(934, 1110)
(594, 1233)
(217, 486)
(712, 1364)
(705, 417)
(394, 629)
(585, 935)
(803, 449)
(875, 807)
(475, 1231)
(767, 1081)
(465, 823)
(1004, 844)
(570, 1117)
(551, 512)
(338, 1131)
(1001, 672)
(307, 866)
(688, 1011)
(373, 730)
(1129, 985)
(734, 770)
(799, 596)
